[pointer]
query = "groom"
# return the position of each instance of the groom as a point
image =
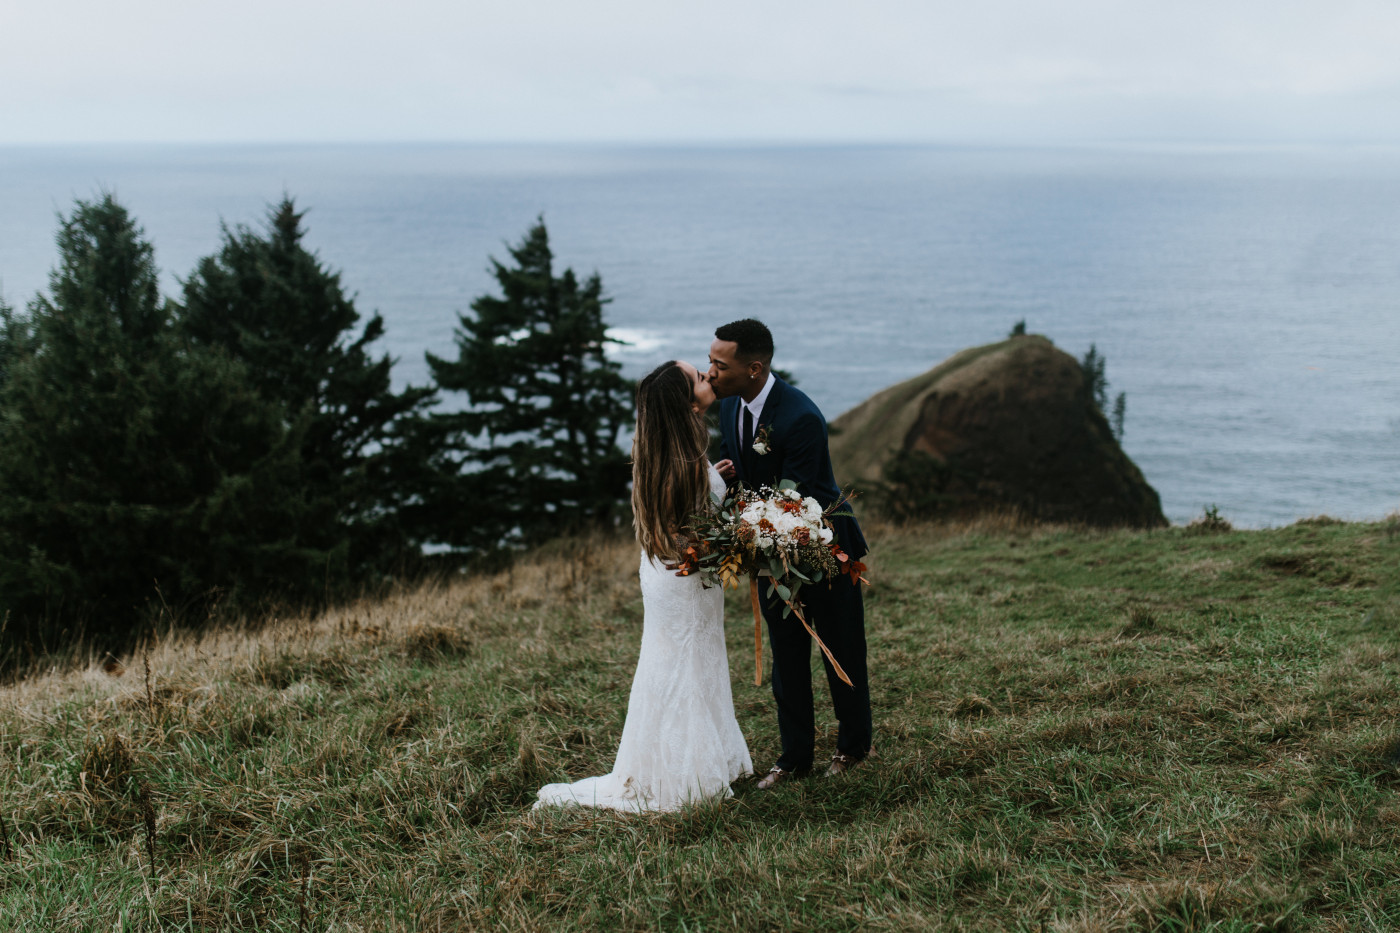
(771, 432)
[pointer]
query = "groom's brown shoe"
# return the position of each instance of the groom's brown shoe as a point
(841, 763)
(775, 777)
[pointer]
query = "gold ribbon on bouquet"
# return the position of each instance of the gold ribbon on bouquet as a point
(757, 633)
(758, 637)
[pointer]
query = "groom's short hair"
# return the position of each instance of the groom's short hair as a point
(752, 337)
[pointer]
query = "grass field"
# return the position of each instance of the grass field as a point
(1077, 731)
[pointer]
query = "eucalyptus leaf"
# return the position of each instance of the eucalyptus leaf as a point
(783, 591)
(786, 484)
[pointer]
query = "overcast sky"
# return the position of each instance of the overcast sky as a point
(650, 70)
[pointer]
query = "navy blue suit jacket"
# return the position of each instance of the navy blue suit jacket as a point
(797, 450)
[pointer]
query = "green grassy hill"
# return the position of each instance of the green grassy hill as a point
(1077, 731)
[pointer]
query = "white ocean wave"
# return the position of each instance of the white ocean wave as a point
(634, 341)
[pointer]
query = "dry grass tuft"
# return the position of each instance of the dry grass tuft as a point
(8, 851)
(108, 767)
(435, 643)
(403, 723)
(1318, 521)
(1141, 621)
(148, 819)
(973, 707)
(1237, 904)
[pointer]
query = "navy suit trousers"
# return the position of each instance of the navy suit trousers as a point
(837, 614)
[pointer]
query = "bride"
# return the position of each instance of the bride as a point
(681, 742)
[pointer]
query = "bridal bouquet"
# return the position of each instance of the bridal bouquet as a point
(774, 533)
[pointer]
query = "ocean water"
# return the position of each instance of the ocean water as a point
(1246, 300)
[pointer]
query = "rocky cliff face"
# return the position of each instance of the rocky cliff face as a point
(1009, 424)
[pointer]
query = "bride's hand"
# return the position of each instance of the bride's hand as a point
(725, 468)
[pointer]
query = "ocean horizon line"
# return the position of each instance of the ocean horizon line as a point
(1105, 144)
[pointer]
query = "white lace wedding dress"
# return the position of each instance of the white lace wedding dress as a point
(681, 742)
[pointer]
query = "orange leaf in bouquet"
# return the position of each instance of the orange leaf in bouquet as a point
(854, 569)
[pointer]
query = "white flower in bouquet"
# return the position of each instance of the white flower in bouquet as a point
(785, 521)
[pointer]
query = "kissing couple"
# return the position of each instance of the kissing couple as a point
(681, 742)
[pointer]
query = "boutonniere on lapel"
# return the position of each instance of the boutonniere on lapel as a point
(760, 440)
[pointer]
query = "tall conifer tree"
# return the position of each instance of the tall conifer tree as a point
(537, 439)
(268, 301)
(128, 462)
(12, 341)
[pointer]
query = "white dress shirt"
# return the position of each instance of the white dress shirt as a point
(756, 407)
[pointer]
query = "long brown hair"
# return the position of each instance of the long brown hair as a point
(669, 476)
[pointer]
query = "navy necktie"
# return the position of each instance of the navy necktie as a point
(748, 428)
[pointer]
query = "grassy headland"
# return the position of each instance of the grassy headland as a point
(1077, 730)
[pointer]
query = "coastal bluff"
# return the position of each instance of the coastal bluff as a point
(1009, 424)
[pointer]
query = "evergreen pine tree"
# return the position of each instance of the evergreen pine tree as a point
(129, 462)
(536, 442)
(1094, 377)
(1096, 381)
(267, 301)
(12, 341)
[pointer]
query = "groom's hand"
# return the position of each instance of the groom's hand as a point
(725, 469)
